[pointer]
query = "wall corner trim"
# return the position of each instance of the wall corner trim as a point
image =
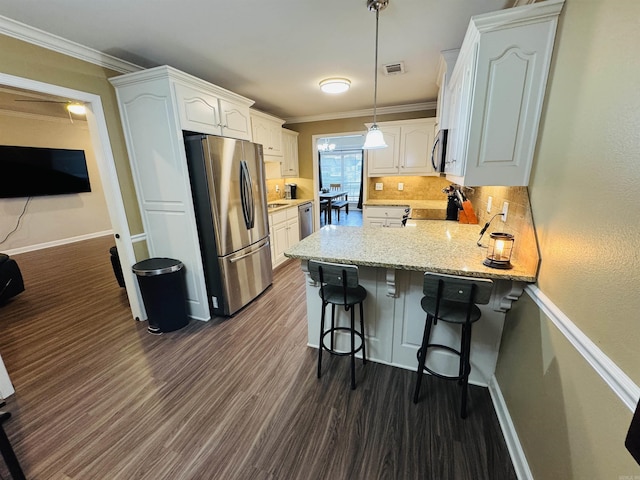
(518, 458)
(618, 381)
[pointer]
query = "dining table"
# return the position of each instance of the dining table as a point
(330, 196)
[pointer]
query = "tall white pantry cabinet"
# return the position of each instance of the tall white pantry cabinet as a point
(156, 105)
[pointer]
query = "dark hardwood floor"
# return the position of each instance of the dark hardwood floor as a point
(353, 218)
(97, 397)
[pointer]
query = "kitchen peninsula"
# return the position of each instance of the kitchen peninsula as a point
(392, 262)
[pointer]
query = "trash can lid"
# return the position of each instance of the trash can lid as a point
(156, 266)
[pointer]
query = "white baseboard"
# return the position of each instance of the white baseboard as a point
(56, 243)
(520, 464)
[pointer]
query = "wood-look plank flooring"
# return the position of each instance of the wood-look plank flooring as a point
(97, 397)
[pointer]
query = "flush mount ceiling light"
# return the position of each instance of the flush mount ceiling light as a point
(335, 85)
(374, 137)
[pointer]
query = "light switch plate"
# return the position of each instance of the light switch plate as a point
(378, 186)
(400, 186)
(489, 204)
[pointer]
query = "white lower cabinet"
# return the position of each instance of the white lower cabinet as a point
(384, 216)
(285, 232)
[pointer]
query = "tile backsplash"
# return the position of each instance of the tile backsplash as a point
(519, 218)
(414, 188)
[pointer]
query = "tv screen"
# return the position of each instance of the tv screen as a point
(33, 171)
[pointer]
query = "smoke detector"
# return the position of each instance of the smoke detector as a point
(396, 68)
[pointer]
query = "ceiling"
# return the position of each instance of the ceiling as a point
(274, 52)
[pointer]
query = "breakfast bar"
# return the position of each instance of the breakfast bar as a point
(391, 264)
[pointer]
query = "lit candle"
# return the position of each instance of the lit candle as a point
(498, 249)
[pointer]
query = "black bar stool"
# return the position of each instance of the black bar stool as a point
(339, 286)
(451, 299)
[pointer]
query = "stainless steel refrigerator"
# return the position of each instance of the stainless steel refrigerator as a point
(229, 192)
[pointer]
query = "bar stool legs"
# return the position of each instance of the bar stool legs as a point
(339, 287)
(453, 300)
(353, 333)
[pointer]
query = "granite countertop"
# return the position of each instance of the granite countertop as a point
(423, 245)
(281, 204)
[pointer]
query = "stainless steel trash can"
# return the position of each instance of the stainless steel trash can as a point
(162, 286)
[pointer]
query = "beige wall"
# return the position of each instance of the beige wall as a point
(35, 63)
(584, 181)
(58, 217)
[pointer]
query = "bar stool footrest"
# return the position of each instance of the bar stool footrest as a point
(437, 374)
(342, 329)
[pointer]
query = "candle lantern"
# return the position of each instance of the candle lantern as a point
(499, 251)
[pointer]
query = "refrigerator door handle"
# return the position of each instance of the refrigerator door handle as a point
(252, 252)
(246, 194)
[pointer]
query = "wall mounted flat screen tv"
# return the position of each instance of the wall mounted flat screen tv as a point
(35, 171)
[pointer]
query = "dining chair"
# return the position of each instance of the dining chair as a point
(338, 204)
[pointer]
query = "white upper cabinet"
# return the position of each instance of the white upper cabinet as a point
(445, 68)
(289, 166)
(408, 151)
(496, 92)
(204, 110)
(267, 131)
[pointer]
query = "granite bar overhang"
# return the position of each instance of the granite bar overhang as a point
(423, 245)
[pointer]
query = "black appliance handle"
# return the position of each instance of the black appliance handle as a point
(433, 154)
(246, 195)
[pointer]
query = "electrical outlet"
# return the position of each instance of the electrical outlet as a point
(505, 209)
(378, 186)
(400, 186)
(489, 203)
(277, 188)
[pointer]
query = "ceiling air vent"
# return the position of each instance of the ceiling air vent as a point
(394, 68)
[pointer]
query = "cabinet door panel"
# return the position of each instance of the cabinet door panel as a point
(385, 160)
(280, 239)
(415, 149)
(236, 120)
(198, 111)
(293, 231)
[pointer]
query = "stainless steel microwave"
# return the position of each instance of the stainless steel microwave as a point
(439, 151)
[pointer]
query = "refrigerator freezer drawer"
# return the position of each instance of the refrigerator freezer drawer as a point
(245, 275)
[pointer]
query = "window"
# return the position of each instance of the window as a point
(343, 167)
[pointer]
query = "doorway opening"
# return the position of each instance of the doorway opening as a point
(340, 166)
(99, 140)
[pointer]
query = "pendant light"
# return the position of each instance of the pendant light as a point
(374, 137)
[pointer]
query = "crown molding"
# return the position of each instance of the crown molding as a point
(35, 36)
(414, 107)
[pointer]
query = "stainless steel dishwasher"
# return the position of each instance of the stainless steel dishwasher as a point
(305, 219)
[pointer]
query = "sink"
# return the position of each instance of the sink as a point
(276, 205)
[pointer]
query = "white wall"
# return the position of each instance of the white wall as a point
(51, 219)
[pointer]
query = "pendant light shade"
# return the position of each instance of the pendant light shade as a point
(374, 138)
